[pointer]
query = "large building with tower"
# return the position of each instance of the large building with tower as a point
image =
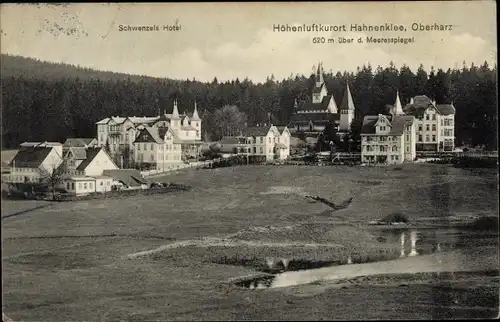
(119, 134)
(310, 117)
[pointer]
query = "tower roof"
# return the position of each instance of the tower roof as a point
(347, 102)
(195, 117)
(397, 109)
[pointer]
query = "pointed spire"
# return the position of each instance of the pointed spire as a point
(411, 100)
(175, 112)
(195, 117)
(295, 105)
(397, 109)
(319, 75)
(347, 102)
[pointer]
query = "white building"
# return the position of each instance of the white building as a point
(435, 124)
(159, 147)
(388, 139)
(120, 133)
(35, 161)
(87, 161)
(263, 142)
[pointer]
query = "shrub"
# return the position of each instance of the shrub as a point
(398, 168)
(489, 223)
(395, 217)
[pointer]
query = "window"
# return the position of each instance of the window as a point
(152, 146)
(152, 157)
(369, 148)
(369, 139)
(408, 128)
(382, 128)
(138, 146)
(396, 157)
(261, 150)
(420, 138)
(261, 140)
(407, 149)
(382, 139)
(382, 148)
(269, 140)
(433, 138)
(426, 138)
(72, 186)
(434, 127)
(427, 127)
(102, 183)
(85, 185)
(90, 185)
(68, 186)
(255, 150)
(145, 146)
(394, 148)
(427, 117)
(420, 127)
(433, 117)
(407, 137)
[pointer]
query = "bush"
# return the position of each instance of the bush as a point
(489, 223)
(395, 217)
(398, 168)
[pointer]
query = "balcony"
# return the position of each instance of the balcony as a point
(114, 132)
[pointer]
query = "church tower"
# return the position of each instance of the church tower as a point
(397, 109)
(196, 122)
(319, 91)
(346, 111)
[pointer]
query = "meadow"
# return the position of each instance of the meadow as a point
(170, 256)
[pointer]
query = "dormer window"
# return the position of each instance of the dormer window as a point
(144, 137)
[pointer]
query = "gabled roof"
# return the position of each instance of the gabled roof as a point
(91, 154)
(128, 177)
(310, 106)
(78, 142)
(256, 131)
(398, 123)
(152, 135)
(40, 144)
(28, 157)
(79, 153)
(446, 109)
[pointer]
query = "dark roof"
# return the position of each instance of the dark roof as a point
(446, 109)
(422, 103)
(315, 117)
(397, 123)
(91, 154)
(317, 89)
(79, 153)
(129, 177)
(310, 106)
(233, 140)
(152, 135)
(78, 142)
(30, 157)
(256, 130)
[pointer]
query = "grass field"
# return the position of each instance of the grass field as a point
(169, 257)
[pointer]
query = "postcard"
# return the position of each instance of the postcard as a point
(249, 161)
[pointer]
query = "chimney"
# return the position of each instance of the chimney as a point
(411, 100)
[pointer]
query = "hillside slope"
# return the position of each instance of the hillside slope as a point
(15, 66)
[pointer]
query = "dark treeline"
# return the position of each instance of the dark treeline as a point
(47, 101)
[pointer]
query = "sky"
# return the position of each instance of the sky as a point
(236, 40)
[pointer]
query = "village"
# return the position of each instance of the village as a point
(128, 149)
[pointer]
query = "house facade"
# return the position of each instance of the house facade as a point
(262, 142)
(310, 117)
(435, 124)
(119, 133)
(157, 147)
(34, 161)
(87, 161)
(388, 139)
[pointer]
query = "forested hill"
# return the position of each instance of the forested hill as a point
(47, 101)
(14, 66)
